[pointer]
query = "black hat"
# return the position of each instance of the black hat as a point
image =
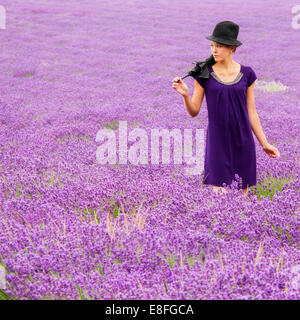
(226, 32)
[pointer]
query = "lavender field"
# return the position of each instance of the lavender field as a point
(71, 228)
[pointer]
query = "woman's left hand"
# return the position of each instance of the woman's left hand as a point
(271, 151)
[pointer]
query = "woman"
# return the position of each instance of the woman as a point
(229, 92)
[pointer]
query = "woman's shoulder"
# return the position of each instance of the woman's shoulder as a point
(247, 68)
(250, 74)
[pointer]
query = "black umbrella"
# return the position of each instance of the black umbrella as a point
(200, 69)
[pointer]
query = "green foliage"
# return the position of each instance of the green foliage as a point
(279, 233)
(190, 260)
(114, 125)
(19, 191)
(90, 213)
(170, 259)
(28, 75)
(269, 186)
(114, 208)
(81, 295)
(270, 86)
(99, 268)
(4, 295)
(115, 211)
(289, 237)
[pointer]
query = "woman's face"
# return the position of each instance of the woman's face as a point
(220, 51)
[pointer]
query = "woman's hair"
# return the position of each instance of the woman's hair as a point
(210, 61)
(229, 46)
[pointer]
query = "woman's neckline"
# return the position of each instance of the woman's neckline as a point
(237, 78)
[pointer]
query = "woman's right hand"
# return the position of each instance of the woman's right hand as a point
(180, 86)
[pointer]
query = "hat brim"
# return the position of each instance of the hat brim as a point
(225, 41)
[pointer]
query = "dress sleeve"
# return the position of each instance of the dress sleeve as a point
(201, 81)
(251, 76)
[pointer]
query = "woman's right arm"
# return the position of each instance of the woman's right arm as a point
(192, 105)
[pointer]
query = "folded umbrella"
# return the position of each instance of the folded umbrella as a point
(201, 68)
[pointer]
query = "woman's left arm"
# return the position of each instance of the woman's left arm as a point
(256, 126)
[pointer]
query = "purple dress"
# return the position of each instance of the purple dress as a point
(230, 147)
